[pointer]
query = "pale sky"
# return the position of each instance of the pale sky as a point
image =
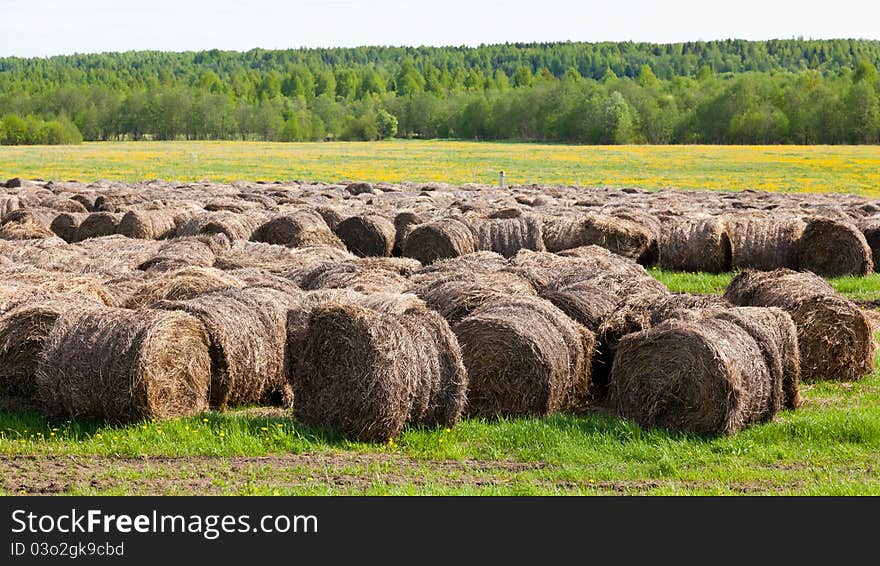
(49, 27)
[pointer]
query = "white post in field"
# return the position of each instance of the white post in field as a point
(501, 179)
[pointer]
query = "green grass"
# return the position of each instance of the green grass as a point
(856, 288)
(829, 446)
(849, 169)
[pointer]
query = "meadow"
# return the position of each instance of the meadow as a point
(844, 169)
(829, 446)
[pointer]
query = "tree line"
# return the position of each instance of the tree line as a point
(787, 91)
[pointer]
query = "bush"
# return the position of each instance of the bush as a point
(33, 130)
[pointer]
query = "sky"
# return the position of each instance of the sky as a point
(30, 28)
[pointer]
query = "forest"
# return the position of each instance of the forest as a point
(726, 92)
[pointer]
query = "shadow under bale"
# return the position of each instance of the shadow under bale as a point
(369, 367)
(704, 376)
(120, 365)
(834, 336)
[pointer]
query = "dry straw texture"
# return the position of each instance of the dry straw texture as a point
(23, 333)
(367, 235)
(439, 239)
(764, 242)
(831, 248)
(298, 230)
(706, 376)
(618, 235)
(368, 369)
(695, 244)
(834, 336)
(524, 357)
(120, 365)
(148, 224)
(179, 285)
(508, 236)
(247, 333)
(97, 224)
(66, 224)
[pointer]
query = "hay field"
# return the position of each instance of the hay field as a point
(852, 169)
(298, 338)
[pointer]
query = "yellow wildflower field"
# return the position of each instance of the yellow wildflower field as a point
(845, 169)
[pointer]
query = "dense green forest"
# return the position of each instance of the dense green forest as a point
(727, 92)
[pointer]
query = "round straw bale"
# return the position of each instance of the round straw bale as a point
(439, 239)
(834, 336)
(26, 230)
(524, 357)
(405, 266)
(87, 200)
(704, 377)
(455, 295)
(404, 222)
(353, 374)
(367, 235)
(247, 333)
(179, 253)
(360, 188)
(763, 242)
(23, 333)
(179, 285)
(109, 254)
(473, 262)
(354, 275)
(66, 224)
(63, 204)
(8, 204)
(332, 216)
(586, 302)
(39, 216)
(831, 248)
(504, 213)
(695, 244)
(243, 254)
(120, 365)
(97, 224)
(870, 228)
(103, 203)
(298, 230)
(639, 310)
(508, 236)
(148, 224)
(26, 284)
(367, 371)
(776, 336)
(251, 277)
(618, 235)
(234, 225)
